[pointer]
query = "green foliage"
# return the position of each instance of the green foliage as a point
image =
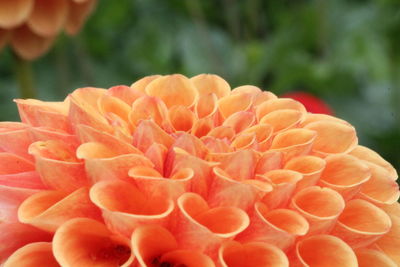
(345, 52)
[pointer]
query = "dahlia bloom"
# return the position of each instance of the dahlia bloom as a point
(312, 103)
(174, 171)
(30, 26)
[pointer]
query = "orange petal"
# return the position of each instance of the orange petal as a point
(361, 223)
(270, 160)
(234, 254)
(15, 138)
(320, 206)
(231, 104)
(215, 145)
(248, 89)
(372, 258)
(284, 183)
(125, 93)
(189, 258)
(28, 45)
(369, 155)
(149, 108)
(44, 134)
(34, 254)
(279, 227)
(147, 133)
(245, 141)
(206, 106)
(282, 119)
(325, 250)
(78, 12)
(57, 165)
(263, 134)
(293, 143)
(124, 207)
(140, 85)
(240, 121)
(110, 104)
(202, 127)
(202, 228)
(313, 117)
(380, 189)
(157, 154)
(12, 164)
(309, 166)
(48, 17)
(222, 132)
(210, 83)
(84, 242)
(345, 174)
(333, 137)
(173, 90)
(278, 104)
(240, 165)
(191, 144)
(182, 119)
(263, 97)
(14, 12)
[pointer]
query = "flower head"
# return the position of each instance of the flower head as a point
(174, 171)
(30, 26)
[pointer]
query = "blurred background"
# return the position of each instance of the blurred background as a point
(344, 52)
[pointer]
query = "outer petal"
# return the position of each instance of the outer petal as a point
(231, 104)
(140, 85)
(279, 104)
(206, 106)
(211, 84)
(14, 12)
(125, 93)
(34, 254)
(282, 119)
(371, 258)
(15, 138)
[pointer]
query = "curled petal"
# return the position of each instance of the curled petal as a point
(48, 17)
(345, 174)
(222, 132)
(85, 242)
(14, 12)
(148, 107)
(240, 121)
(189, 258)
(245, 141)
(270, 160)
(109, 104)
(278, 104)
(211, 84)
(181, 118)
(15, 138)
(191, 144)
(361, 223)
(313, 117)
(248, 89)
(12, 164)
(310, 167)
(390, 242)
(320, 206)
(202, 127)
(33, 254)
(282, 119)
(157, 154)
(44, 134)
(231, 104)
(173, 90)
(263, 97)
(140, 85)
(234, 254)
(325, 250)
(125, 93)
(215, 145)
(147, 133)
(77, 15)
(371, 258)
(369, 155)
(263, 134)
(333, 137)
(280, 227)
(206, 106)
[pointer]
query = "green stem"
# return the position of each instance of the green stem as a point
(24, 75)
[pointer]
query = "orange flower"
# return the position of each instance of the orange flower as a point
(174, 171)
(30, 26)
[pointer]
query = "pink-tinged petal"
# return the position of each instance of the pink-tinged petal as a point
(149, 108)
(14, 12)
(150, 242)
(157, 154)
(279, 104)
(361, 223)
(103, 163)
(181, 118)
(245, 141)
(48, 210)
(369, 155)
(28, 45)
(16, 235)
(12, 164)
(15, 138)
(202, 127)
(125, 93)
(293, 143)
(211, 84)
(140, 85)
(109, 104)
(174, 90)
(148, 133)
(312, 117)
(310, 167)
(270, 160)
(345, 174)
(78, 12)
(234, 254)
(10, 199)
(44, 114)
(231, 104)
(48, 17)
(202, 228)
(279, 227)
(29, 180)
(222, 132)
(390, 242)
(380, 189)
(151, 182)
(34, 254)
(333, 137)
(263, 134)
(373, 258)
(284, 183)
(84, 242)
(282, 119)
(263, 97)
(124, 207)
(240, 121)
(84, 109)
(325, 250)
(216, 145)
(206, 105)
(320, 206)
(58, 166)
(191, 144)
(44, 134)
(226, 191)
(188, 258)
